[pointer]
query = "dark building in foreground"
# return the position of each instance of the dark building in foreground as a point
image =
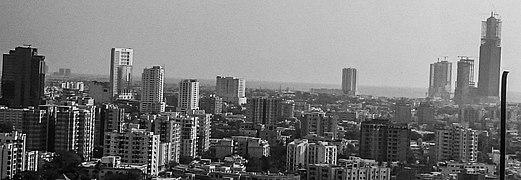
(490, 58)
(384, 141)
(23, 77)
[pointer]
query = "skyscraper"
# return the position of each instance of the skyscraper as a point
(349, 80)
(23, 77)
(153, 80)
(121, 60)
(188, 94)
(440, 80)
(464, 81)
(231, 89)
(490, 58)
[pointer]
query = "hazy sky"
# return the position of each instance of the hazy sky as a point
(390, 42)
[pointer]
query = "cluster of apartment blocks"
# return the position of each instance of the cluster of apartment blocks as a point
(96, 132)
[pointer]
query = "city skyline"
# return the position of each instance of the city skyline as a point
(436, 38)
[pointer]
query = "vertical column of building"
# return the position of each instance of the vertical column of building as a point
(66, 129)
(465, 86)
(108, 118)
(203, 132)
(86, 133)
(170, 133)
(188, 136)
(12, 154)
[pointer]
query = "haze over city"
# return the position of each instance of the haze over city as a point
(391, 43)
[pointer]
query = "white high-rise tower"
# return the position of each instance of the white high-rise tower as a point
(188, 94)
(121, 73)
(153, 80)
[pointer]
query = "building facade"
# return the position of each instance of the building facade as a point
(320, 124)
(490, 58)
(383, 141)
(349, 81)
(440, 80)
(465, 85)
(457, 143)
(136, 146)
(188, 94)
(23, 77)
(152, 100)
(12, 154)
(121, 60)
(231, 89)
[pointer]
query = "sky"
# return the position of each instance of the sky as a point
(390, 42)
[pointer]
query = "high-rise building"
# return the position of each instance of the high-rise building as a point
(109, 118)
(12, 154)
(137, 146)
(203, 132)
(70, 129)
(211, 104)
(121, 60)
(440, 80)
(490, 58)
(320, 124)
(23, 77)
(231, 89)
(188, 94)
(349, 81)
(425, 113)
(383, 141)
(465, 85)
(188, 136)
(296, 155)
(456, 143)
(152, 100)
(169, 131)
(263, 110)
(402, 113)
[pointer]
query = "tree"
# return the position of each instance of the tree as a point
(6, 127)
(171, 164)
(185, 159)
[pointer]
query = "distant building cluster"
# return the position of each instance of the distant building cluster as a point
(53, 127)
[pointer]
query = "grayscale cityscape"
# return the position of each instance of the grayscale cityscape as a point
(260, 90)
